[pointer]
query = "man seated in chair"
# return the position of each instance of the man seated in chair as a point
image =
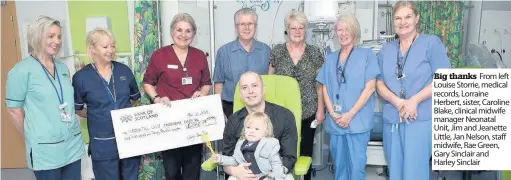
(283, 120)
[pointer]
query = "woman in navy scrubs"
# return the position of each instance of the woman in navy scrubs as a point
(105, 85)
(176, 72)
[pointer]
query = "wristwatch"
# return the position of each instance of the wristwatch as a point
(156, 96)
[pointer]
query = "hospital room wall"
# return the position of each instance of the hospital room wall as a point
(79, 11)
(27, 11)
(271, 17)
(199, 10)
(485, 18)
(72, 15)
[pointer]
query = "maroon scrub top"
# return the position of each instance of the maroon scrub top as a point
(166, 73)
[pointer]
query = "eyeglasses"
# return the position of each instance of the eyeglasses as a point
(296, 29)
(246, 24)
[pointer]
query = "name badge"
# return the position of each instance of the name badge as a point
(186, 80)
(172, 66)
(65, 117)
(337, 108)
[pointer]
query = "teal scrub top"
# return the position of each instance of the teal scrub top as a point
(50, 143)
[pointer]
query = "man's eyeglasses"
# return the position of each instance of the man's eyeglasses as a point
(246, 24)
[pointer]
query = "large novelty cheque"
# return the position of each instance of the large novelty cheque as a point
(153, 128)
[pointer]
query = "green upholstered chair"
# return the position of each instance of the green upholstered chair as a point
(506, 175)
(85, 132)
(284, 91)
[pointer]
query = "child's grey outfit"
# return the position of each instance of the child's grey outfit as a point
(263, 155)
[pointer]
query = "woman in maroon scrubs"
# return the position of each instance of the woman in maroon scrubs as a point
(176, 72)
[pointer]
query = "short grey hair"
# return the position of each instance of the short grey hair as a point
(297, 16)
(353, 26)
(37, 31)
(186, 18)
(245, 11)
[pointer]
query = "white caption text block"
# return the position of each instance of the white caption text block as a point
(471, 119)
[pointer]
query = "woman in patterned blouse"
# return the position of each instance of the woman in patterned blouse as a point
(301, 61)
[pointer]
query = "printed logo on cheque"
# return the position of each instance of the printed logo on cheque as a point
(126, 118)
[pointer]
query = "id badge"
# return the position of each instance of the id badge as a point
(186, 81)
(337, 108)
(65, 117)
(172, 66)
(402, 76)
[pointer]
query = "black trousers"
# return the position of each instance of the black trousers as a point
(307, 144)
(227, 108)
(183, 163)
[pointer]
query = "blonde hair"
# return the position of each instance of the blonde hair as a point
(402, 4)
(297, 16)
(258, 116)
(353, 26)
(37, 32)
(185, 17)
(94, 36)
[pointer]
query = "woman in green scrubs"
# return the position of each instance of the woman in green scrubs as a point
(39, 96)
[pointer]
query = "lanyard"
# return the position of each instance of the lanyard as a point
(340, 76)
(113, 97)
(401, 66)
(55, 72)
(183, 64)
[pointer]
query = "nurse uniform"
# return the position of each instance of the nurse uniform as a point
(345, 84)
(407, 147)
(101, 96)
(53, 142)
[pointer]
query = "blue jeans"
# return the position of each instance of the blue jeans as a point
(69, 172)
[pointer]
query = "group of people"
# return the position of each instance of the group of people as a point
(338, 89)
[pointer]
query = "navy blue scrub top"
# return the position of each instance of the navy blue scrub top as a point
(90, 90)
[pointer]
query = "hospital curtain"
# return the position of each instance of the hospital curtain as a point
(445, 19)
(146, 39)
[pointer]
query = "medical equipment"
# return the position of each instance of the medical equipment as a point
(375, 154)
(320, 11)
(479, 55)
(386, 13)
(502, 51)
(322, 17)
